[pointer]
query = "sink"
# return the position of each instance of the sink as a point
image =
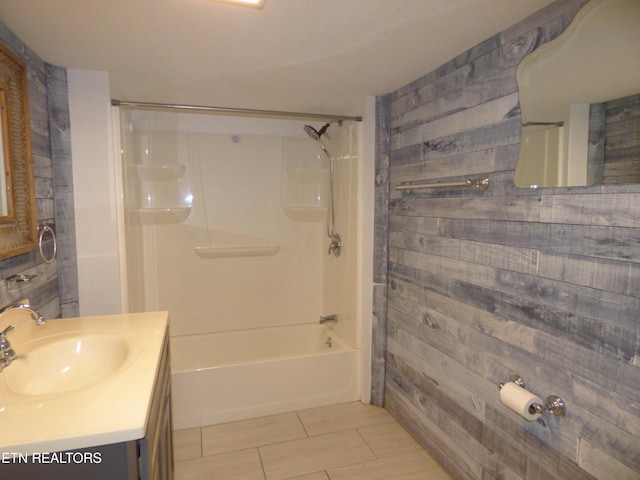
(79, 382)
(63, 364)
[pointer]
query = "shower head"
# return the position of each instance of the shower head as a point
(312, 132)
(316, 134)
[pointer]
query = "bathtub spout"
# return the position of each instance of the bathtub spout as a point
(328, 318)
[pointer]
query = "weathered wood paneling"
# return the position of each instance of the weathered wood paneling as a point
(62, 169)
(622, 140)
(380, 249)
(481, 285)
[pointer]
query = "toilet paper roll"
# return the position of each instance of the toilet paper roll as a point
(520, 400)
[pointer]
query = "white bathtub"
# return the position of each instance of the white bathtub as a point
(229, 376)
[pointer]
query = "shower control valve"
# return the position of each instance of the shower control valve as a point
(335, 247)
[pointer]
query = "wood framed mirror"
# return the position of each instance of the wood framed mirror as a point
(18, 232)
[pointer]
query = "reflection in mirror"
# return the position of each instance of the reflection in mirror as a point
(580, 101)
(6, 203)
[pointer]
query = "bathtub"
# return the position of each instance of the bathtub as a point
(222, 377)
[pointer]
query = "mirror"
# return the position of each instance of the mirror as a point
(580, 101)
(17, 200)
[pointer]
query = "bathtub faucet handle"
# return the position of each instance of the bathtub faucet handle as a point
(328, 318)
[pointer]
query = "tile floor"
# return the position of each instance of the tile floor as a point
(341, 442)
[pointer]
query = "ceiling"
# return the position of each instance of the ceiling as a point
(322, 56)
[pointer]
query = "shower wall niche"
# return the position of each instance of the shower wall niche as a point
(225, 221)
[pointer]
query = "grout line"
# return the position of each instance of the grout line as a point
(264, 472)
(302, 423)
(357, 429)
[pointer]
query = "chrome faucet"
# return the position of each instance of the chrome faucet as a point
(328, 318)
(35, 314)
(7, 354)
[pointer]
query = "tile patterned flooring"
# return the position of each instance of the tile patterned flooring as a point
(349, 441)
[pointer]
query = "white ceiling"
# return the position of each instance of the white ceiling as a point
(319, 56)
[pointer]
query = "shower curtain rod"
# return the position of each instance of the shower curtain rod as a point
(232, 111)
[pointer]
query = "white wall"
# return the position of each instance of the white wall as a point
(94, 192)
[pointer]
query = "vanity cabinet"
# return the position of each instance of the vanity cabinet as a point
(156, 448)
(149, 458)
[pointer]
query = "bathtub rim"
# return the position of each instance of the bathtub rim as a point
(339, 342)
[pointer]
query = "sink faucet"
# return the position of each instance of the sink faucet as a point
(7, 354)
(35, 314)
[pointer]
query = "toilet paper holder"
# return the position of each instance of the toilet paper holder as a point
(553, 403)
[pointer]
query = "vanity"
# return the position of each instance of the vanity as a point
(87, 398)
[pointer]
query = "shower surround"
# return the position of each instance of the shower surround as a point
(225, 229)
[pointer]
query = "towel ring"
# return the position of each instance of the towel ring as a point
(43, 230)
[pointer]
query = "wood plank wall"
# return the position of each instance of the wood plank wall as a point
(622, 140)
(481, 285)
(54, 291)
(380, 250)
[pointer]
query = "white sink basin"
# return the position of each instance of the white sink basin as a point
(63, 364)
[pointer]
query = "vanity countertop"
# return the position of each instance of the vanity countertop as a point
(111, 408)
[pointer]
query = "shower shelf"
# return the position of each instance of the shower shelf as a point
(223, 251)
(150, 215)
(158, 173)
